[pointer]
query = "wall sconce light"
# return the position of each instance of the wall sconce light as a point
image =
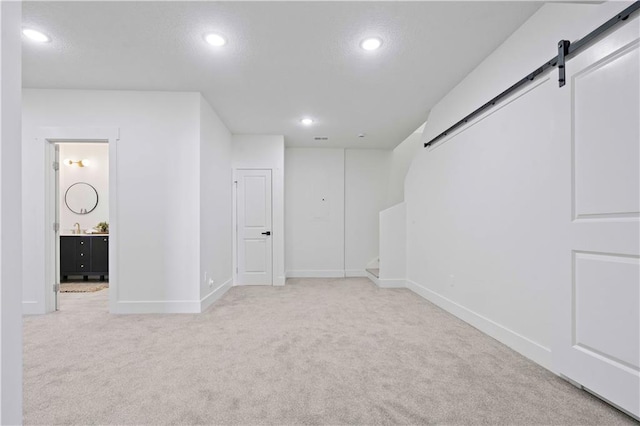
(80, 163)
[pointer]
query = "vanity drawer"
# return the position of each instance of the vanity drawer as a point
(83, 250)
(83, 244)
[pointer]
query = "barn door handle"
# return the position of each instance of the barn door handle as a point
(266, 233)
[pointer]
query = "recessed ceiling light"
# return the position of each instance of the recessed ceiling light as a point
(371, 43)
(307, 121)
(215, 39)
(36, 35)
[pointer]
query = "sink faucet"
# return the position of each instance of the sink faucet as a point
(77, 225)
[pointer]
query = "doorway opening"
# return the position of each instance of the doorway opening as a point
(82, 223)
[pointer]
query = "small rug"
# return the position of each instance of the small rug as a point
(82, 287)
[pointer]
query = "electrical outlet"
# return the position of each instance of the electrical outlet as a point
(211, 282)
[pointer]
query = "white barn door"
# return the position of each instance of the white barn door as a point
(597, 342)
(254, 227)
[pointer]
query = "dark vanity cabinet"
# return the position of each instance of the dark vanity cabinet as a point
(84, 255)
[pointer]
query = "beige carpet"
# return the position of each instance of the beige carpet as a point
(313, 352)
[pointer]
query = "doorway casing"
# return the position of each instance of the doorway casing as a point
(49, 136)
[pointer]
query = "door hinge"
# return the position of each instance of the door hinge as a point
(56, 287)
(56, 227)
(56, 166)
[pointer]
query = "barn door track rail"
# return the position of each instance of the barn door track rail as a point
(566, 50)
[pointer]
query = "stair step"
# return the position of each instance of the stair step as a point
(374, 271)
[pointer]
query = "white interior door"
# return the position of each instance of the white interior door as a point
(598, 317)
(254, 227)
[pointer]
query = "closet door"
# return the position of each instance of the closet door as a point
(598, 315)
(254, 227)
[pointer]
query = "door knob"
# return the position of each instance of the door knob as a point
(266, 233)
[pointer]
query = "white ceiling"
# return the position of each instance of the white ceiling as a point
(283, 60)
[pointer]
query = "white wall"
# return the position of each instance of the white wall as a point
(481, 226)
(366, 182)
(314, 211)
(478, 221)
(267, 152)
(10, 215)
(215, 206)
(401, 158)
(333, 198)
(158, 192)
(95, 174)
(393, 245)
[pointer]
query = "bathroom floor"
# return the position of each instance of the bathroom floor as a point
(83, 286)
(84, 302)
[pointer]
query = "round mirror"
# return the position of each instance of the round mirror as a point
(81, 198)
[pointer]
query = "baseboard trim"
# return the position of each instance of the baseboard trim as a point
(391, 283)
(327, 273)
(31, 307)
(279, 281)
(353, 273)
(156, 307)
(524, 346)
(386, 282)
(216, 294)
